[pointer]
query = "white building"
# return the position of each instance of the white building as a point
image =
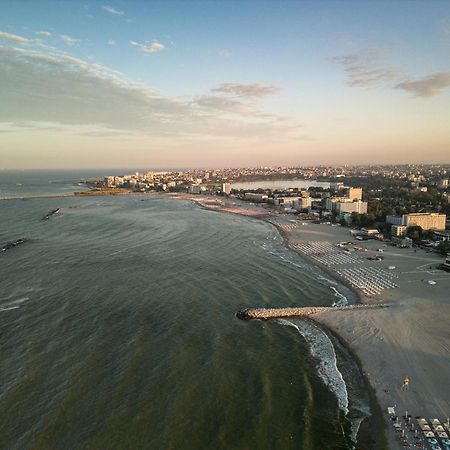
(226, 188)
(443, 184)
(194, 189)
(351, 207)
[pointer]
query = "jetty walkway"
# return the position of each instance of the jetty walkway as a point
(269, 313)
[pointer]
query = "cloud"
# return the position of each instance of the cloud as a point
(16, 39)
(236, 99)
(218, 104)
(50, 87)
(111, 42)
(149, 47)
(255, 90)
(44, 33)
(367, 68)
(427, 86)
(70, 41)
(111, 10)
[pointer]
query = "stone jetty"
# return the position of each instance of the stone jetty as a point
(270, 313)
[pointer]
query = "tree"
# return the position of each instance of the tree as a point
(415, 232)
(444, 247)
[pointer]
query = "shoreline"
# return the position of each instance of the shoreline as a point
(333, 275)
(370, 427)
(411, 338)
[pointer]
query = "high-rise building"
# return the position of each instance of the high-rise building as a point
(354, 193)
(443, 184)
(426, 221)
(350, 207)
(226, 188)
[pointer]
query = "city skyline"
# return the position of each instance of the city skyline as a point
(223, 84)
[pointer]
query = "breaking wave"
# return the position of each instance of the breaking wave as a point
(322, 350)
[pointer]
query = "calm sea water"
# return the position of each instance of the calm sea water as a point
(118, 331)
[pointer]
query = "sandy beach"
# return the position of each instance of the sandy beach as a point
(410, 338)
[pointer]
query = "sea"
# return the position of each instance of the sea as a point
(118, 329)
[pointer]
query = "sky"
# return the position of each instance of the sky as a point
(223, 83)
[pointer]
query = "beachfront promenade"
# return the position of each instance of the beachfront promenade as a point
(272, 313)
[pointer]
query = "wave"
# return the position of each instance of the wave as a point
(343, 301)
(20, 300)
(322, 350)
(8, 308)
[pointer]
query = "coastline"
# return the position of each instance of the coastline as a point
(410, 338)
(333, 275)
(371, 431)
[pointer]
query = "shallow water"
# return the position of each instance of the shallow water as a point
(118, 331)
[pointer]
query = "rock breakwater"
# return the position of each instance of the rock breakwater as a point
(269, 313)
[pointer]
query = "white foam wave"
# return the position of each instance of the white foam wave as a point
(322, 350)
(20, 300)
(342, 298)
(8, 308)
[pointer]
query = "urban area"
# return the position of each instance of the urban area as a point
(406, 204)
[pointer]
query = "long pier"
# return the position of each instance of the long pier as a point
(270, 313)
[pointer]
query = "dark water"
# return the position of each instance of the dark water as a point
(118, 332)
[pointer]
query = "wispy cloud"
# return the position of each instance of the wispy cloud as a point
(219, 104)
(426, 86)
(112, 10)
(111, 42)
(68, 40)
(16, 39)
(237, 99)
(367, 68)
(44, 33)
(149, 47)
(51, 87)
(255, 90)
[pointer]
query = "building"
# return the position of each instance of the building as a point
(288, 202)
(443, 184)
(426, 221)
(351, 207)
(108, 181)
(398, 230)
(354, 193)
(226, 188)
(255, 197)
(394, 220)
(336, 185)
(442, 235)
(194, 189)
(304, 202)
